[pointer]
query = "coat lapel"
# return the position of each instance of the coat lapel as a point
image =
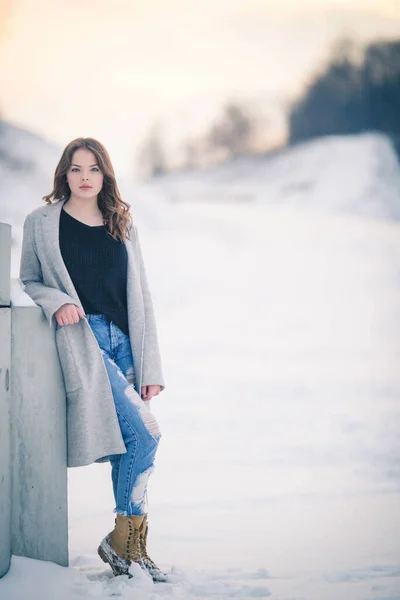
(50, 225)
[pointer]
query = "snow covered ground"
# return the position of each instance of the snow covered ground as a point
(355, 174)
(278, 472)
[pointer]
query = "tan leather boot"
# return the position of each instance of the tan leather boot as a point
(125, 538)
(118, 546)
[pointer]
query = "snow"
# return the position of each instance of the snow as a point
(277, 473)
(356, 174)
(63, 584)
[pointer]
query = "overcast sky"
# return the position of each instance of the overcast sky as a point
(107, 69)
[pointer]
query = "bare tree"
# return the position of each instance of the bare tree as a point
(152, 156)
(233, 131)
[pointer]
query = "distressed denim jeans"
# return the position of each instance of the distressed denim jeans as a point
(129, 471)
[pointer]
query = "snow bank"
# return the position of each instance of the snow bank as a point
(30, 579)
(356, 174)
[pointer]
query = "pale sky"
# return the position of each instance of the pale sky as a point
(108, 69)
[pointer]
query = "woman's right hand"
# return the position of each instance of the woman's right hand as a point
(68, 314)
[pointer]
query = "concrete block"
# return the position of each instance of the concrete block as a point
(5, 263)
(5, 454)
(39, 519)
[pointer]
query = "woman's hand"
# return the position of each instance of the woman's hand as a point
(148, 391)
(68, 314)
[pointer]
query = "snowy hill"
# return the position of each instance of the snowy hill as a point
(357, 174)
(27, 164)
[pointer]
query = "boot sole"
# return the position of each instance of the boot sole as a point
(115, 569)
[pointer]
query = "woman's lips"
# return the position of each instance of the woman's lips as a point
(85, 187)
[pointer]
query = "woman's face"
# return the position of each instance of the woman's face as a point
(84, 176)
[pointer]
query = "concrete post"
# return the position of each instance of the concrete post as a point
(39, 526)
(33, 436)
(5, 361)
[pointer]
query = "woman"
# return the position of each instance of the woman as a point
(82, 263)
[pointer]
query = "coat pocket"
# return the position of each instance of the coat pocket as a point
(72, 379)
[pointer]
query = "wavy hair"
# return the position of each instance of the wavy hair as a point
(116, 215)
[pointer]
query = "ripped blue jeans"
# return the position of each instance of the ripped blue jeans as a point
(129, 471)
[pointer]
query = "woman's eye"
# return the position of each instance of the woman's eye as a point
(76, 169)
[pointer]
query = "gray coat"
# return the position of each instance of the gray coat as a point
(93, 431)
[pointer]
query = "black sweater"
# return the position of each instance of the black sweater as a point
(97, 265)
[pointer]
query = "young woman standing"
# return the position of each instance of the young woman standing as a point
(82, 263)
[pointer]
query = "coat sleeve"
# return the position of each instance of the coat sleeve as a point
(30, 274)
(152, 369)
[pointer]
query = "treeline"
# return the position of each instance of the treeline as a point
(232, 133)
(357, 90)
(352, 94)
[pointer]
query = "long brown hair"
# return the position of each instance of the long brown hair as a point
(116, 215)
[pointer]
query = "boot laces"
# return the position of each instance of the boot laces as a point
(132, 544)
(143, 549)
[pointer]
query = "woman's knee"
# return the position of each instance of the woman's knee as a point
(142, 439)
(150, 442)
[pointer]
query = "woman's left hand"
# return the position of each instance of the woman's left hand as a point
(148, 391)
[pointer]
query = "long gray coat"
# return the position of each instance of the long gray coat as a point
(93, 431)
